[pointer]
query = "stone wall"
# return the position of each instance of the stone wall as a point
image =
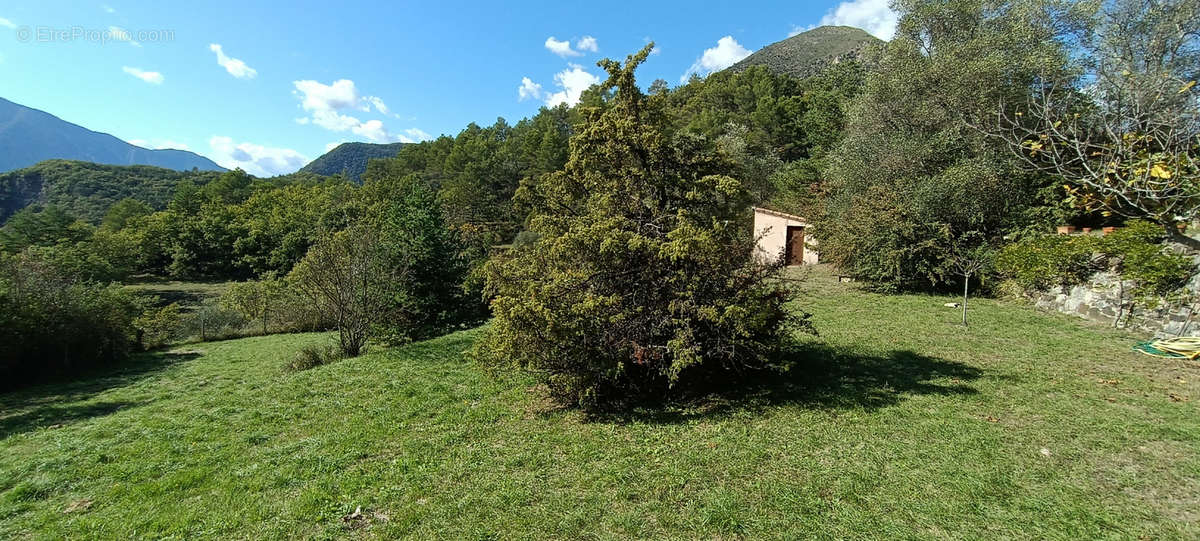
(1101, 300)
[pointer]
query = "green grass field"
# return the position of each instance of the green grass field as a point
(189, 295)
(896, 423)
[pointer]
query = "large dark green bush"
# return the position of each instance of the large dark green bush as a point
(640, 279)
(53, 325)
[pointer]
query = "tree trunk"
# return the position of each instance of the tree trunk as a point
(966, 284)
(1188, 323)
(1120, 301)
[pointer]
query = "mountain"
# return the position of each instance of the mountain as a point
(86, 190)
(28, 136)
(351, 158)
(808, 53)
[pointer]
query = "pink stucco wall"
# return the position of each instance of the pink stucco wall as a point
(771, 229)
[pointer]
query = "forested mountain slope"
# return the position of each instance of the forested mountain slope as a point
(809, 53)
(351, 159)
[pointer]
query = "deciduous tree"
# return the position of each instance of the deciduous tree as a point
(1121, 129)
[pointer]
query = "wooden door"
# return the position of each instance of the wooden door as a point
(795, 245)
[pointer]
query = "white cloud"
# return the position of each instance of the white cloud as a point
(333, 120)
(874, 16)
(571, 82)
(7, 23)
(413, 135)
(152, 77)
(528, 90)
(258, 160)
(316, 96)
(333, 145)
(561, 48)
(117, 33)
(234, 66)
(373, 130)
(377, 103)
(325, 104)
(727, 53)
(587, 43)
(107, 8)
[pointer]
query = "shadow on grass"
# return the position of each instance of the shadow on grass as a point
(821, 377)
(55, 416)
(58, 403)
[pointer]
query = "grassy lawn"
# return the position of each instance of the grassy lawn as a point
(189, 295)
(897, 423)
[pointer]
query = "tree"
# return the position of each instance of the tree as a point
(1123, 127)
(231, 187)
(640, 277)
(972, 255)
(910, 174)
(255, 299)
(345, 278)
(124, 212)
(203, 243)
(45, 226)
(278, 226)
(425, 296)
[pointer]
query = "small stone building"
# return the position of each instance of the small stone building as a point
(783, 235)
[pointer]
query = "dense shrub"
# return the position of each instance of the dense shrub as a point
(1039, 263)
(256, 300)
(159, 327)
(53, 325)
(1135, 252)
(312, 356)
(641, 278)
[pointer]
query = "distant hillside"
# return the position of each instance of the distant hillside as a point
(808, 53)
(29, 136)
(351, 158)
(86, 190)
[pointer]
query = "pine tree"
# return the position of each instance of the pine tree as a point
(641, 279)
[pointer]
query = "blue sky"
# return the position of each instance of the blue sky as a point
(270, 86)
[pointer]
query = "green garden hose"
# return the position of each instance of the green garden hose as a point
(1187, 347)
